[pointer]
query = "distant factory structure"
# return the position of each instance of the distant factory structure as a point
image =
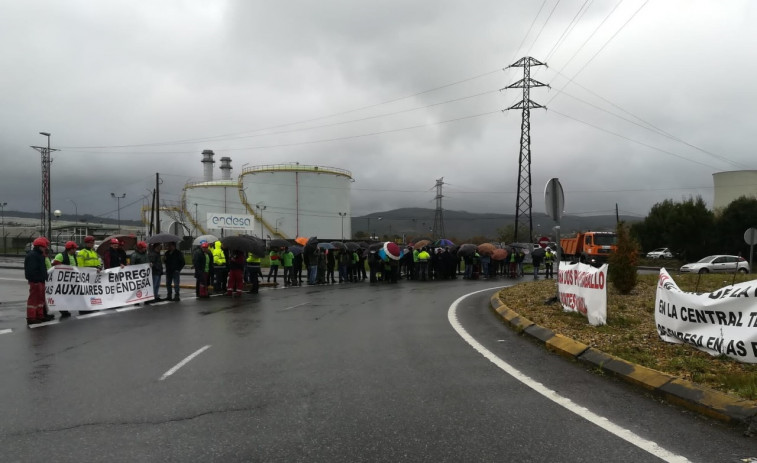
(268, 201)
(732, 185)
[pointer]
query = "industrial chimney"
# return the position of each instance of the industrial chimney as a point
(207, 165)
(226, 168)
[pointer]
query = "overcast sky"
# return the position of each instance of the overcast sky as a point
(647, 99)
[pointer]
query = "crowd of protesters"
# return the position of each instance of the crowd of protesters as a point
(231, 271)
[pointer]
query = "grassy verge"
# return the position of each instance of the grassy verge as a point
(630, 331)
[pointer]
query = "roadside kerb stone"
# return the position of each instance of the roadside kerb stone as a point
(708, 402)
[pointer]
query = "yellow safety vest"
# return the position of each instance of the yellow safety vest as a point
(87, 258)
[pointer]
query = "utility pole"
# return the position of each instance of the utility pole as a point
(46, 227)
(118, 199)
(523, 201)
(156, 203)
(342, 215)
(438, 230)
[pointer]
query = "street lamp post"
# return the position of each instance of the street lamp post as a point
(342, 215)
(76, 211)
(118, 202)
(278, 221)
(260, 209)
(196, 220)
(374, 231)
(2, 214)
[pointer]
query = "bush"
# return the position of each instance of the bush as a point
(622, 270)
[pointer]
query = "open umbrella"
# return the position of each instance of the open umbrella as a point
(392, 250)
(540, 252)
(486, 249)
(207, 238)
(443, 242)
(466, 249)
(328, 246)
(499, 254)
(163, 238)
(420, 244)
(258, 245)
(339, 245)
(375, 246)
(301, 240)
(128, 242)
(278, 243)
(245, 244)
(312, 242)
(352, 246)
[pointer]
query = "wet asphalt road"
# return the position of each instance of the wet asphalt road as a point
(352, 372)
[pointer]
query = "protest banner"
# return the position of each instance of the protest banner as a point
(582, 288)
(86, 288)
(723, 322)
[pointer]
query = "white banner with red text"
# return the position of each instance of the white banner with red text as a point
(583, 288)
(85, 288)
(723, 322)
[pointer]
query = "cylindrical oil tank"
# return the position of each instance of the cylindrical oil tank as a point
(219, 196)
(299, 200)
(730, 186)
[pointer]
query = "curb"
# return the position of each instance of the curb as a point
(705, 401)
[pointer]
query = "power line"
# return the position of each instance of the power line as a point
(546, 21)
(569, 28)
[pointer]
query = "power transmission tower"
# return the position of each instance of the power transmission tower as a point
(523, 201)
(438, 231)
(46, 228)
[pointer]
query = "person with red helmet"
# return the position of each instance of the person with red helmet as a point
(35, 272)
(66, 258)
(139, 256)
(114, 255)
(202, 261)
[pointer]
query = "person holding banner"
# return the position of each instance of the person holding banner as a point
(156, 265)
(139, 256)
(87, 257)
(66, 258)
(115, 256)
(35, 271)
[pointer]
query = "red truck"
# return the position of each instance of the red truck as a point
(589, 247)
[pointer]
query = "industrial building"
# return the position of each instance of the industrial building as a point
(276, 201)
(732, 185)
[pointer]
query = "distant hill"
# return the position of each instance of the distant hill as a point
(417, 222)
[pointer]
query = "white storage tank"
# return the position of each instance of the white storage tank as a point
(216, 196)
(299, 200)
(730, 186)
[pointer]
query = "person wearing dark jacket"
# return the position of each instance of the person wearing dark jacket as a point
(156, 265)
(35, 271)
(202, 261)
(174, 260)
(114, 255)
(236, 264)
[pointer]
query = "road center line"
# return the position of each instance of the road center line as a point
(183, 362)
(564, 402)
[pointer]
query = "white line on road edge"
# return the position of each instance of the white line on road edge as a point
(126, 309)
(183, 362)
(39, 325)
(12, 279)
(566, 403)
(6, 331)
(90, 315)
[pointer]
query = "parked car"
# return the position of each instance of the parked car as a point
(660, 253)
(718, 264)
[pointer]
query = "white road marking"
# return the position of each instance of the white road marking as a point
(126, 309)
(6, 331)
(12, 279)
(37, 325)
(293, 307)
(566, 403)
(183, 362)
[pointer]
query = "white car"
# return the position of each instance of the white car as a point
(718, 264)
(660, 253)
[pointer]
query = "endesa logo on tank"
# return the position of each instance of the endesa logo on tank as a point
(230, 221)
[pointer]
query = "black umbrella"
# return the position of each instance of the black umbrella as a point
(296, 249)
(245, 244)
(375, 246)
(278, 243)
(352, 246)
(339, 245)
(540, 252)
(163, 238)
(466, 249)
(312, 242)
